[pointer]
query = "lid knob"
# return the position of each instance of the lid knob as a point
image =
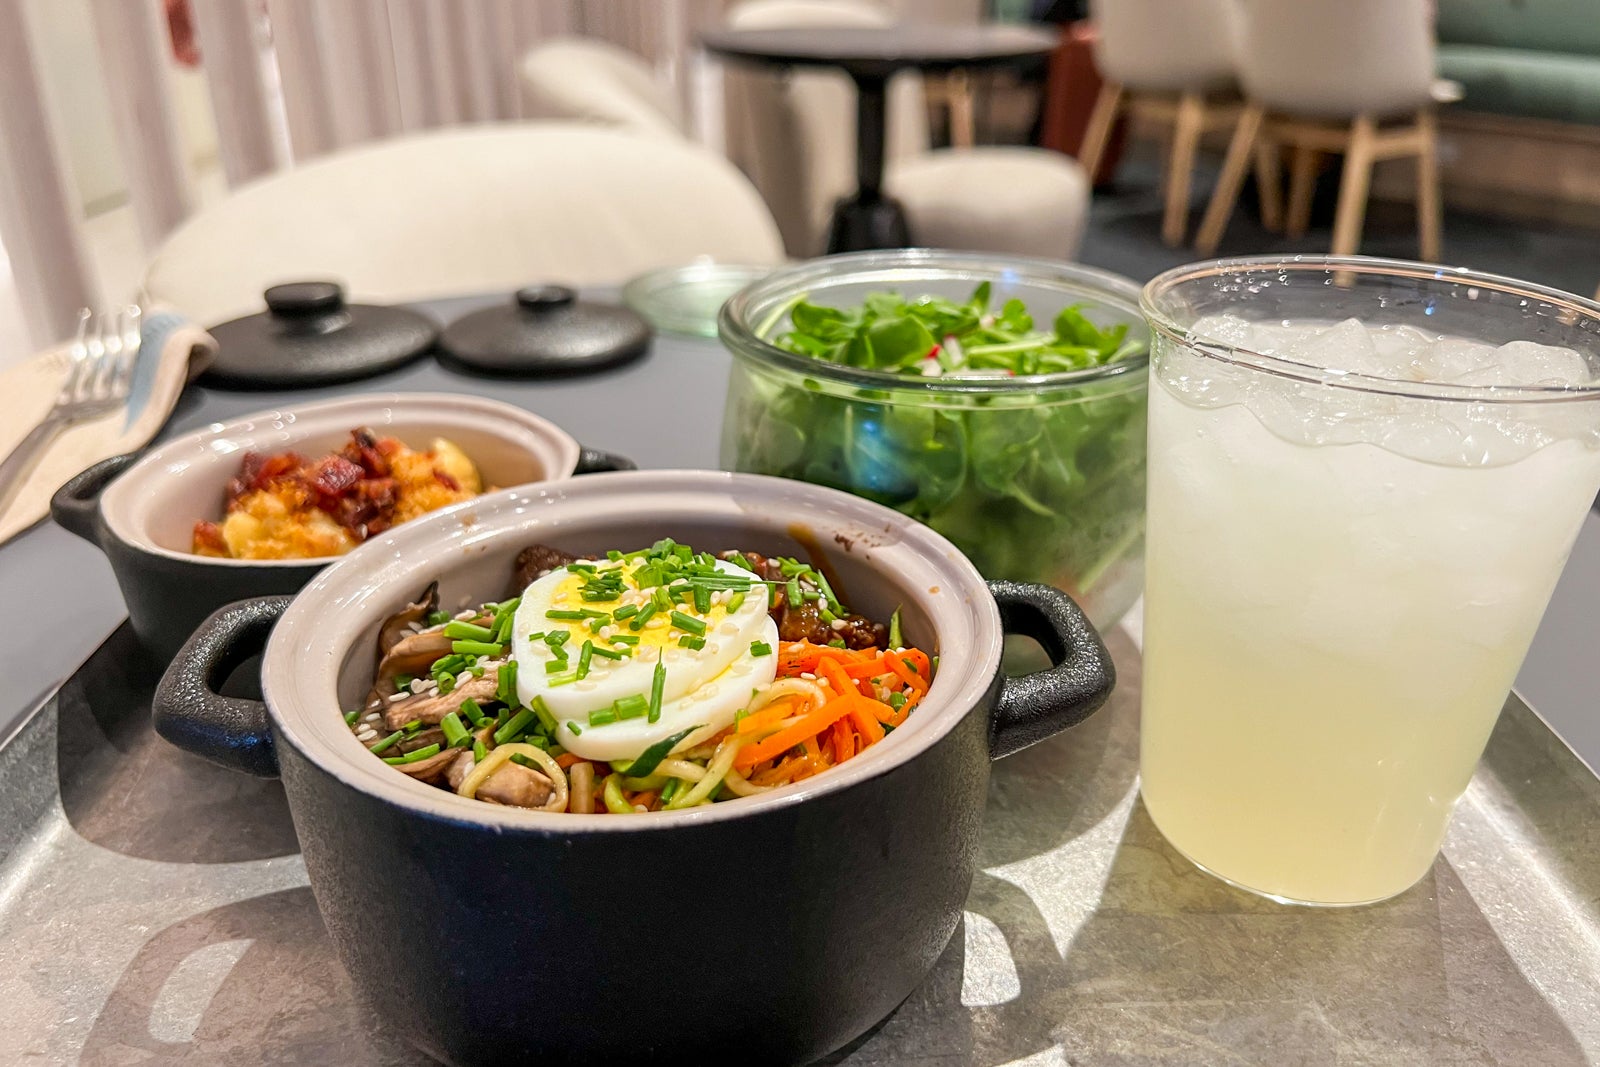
(296, 299)
(545, 298)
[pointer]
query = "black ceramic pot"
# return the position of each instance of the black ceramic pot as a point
(141, 510)
(765, 930)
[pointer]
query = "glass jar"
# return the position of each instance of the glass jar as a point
(1035, 477)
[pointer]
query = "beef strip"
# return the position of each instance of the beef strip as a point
(803, 621)
(534, 562)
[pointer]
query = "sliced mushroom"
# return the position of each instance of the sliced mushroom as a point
(398, 626)
(432, 768)
(433, 707)
(463, 766)
(516, 786)
(414, 654)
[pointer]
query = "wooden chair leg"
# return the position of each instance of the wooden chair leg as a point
(1354, 184)
(1302, 182)
(1269, 183)
(1098, 133)
(1428, 206)
(1180, 166)
(1231, 179)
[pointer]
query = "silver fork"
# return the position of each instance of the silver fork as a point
(99, 374)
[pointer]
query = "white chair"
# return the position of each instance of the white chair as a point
(1350, 76)
(1170, 62)
(588, 80)
(795, 135)
(465, 210)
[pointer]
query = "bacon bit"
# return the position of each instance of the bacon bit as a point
(446, 480)
(333, 476)
(208, 539)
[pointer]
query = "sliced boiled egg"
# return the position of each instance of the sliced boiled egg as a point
(601, 697)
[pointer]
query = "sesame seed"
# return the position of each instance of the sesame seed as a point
(374, 717)
(467, 614)
(419, 684)
(395, 698)
(808, 676)
(838, 624)
(656, 623)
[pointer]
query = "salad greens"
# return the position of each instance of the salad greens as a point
(1043, 484)
(931, 336)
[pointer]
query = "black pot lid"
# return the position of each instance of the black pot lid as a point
(309, 336)
(545, 331)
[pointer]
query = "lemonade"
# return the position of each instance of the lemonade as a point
(1341, 584)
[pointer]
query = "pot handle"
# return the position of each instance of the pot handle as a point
(597, 461)
(1040, 705)
(76, 505)
(189, 712)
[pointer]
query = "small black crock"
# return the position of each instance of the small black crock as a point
(766, 930)
(140, 510)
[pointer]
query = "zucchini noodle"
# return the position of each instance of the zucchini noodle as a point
(788, 687)
(502, 755)
(721, 764)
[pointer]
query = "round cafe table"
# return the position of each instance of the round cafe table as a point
(869, 219)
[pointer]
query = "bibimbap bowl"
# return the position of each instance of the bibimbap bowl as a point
(772, 928)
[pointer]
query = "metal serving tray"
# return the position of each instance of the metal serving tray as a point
(153, 910)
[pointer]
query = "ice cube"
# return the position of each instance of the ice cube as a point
(1344, 346)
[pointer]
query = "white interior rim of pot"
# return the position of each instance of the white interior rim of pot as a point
(162, 478)
(300, 672)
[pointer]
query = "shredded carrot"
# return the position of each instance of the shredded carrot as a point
(646, 798)
(769, 716)
(790, 736)
(844, 745)
(905, 673)
(863, 715)
(567, 759)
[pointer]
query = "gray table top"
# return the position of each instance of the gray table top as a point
(48, 574)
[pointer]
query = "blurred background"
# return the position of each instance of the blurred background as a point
(1457, 130)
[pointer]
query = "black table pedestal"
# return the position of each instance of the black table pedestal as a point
(868, 219)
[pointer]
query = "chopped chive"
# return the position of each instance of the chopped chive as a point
(506, 687)
(467, 631)
(613, 554)
(643, 617)
(474, 713)
(658, 686)
(632, 707)
(825, 614)
(585, 656)
(446, 682)
(669, 790)
(514, 729)
(837, 642)
(536, 637)
(794, 591)
(687, 622)
(350, 717)
(602, 717)
(387, 741)
(661, 598)
(403, 681)
(566, 616)
(455, 733)
(736, 601)
(557, 638)
(412, 727)
(690, 641)
(896, 640)
(897, 700)
(562, 679)
(605, 653)
(827, 592)
(623, 639)
(437, 618)
(626, 611)
(477, 648)
(760, 648)
(479, 752)
(547, 720)
(414, 757)
(702, 599)
(574, 728)
(447, 665)
(555, 666)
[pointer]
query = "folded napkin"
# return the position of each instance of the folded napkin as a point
(172, 351)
